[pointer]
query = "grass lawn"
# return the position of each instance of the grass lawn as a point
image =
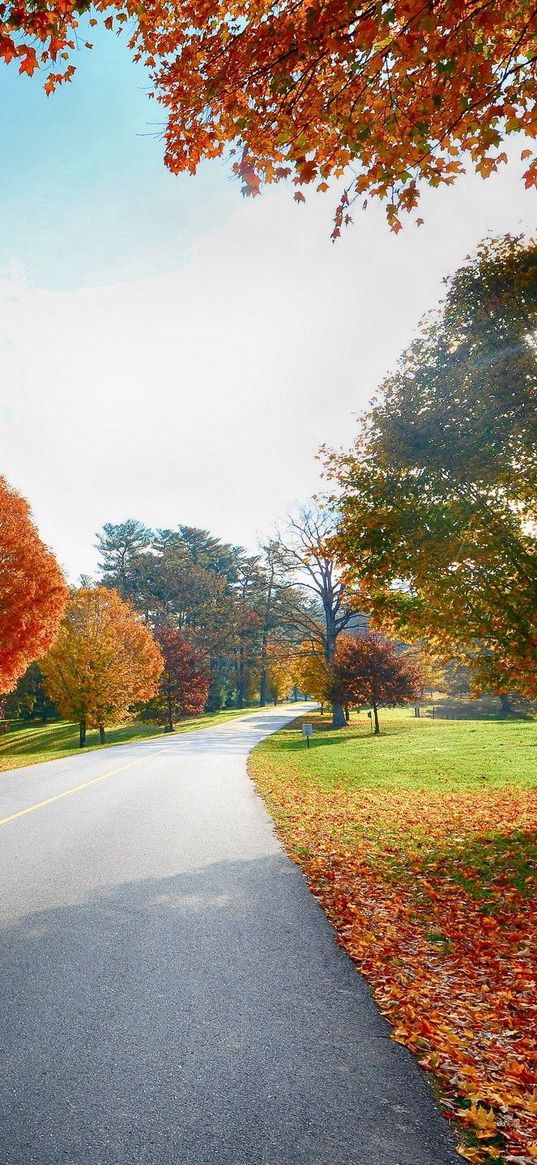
(420, 844)
(30, 744)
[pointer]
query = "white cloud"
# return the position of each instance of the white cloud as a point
(202, 396)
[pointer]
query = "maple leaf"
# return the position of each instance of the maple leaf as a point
(29, 63)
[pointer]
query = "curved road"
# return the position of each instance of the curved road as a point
(171, 992)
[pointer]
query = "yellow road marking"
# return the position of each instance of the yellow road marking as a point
(76, 788)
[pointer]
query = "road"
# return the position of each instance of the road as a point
(171, 991)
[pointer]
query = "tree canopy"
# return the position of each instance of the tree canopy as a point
(437, 499)
(32, 590)
(382, 96)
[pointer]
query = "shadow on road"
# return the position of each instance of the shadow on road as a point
(203, 1018)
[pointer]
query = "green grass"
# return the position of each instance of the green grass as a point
(31, 744)
(413, 753)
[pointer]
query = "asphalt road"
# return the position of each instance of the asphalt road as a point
(171, 992)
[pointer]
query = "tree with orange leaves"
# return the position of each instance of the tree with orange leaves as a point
(32, 590)
(384, 95)
(104, 660)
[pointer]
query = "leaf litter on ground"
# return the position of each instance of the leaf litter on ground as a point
(432, 893)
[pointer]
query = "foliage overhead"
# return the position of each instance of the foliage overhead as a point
(103, 661)
(32, 590)
(437, 499)
(384, 95)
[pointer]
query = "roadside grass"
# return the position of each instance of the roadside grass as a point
(421, 846)
(31, 744)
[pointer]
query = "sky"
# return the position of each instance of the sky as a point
(172, 352)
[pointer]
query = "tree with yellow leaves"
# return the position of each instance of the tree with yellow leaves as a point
(311, 671)
(103, 661)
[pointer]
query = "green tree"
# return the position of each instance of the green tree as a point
(29, 700)
(437, 500)
(119, 546)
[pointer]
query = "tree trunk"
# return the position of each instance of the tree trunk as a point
(338, 711)
(338, 716)
(505, 704)
(376, 719)
(263, 682)
(82, 733)
(347, 713)
(101, 733)
(169, 726)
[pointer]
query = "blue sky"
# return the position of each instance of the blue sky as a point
(85, 196)
(172, 352)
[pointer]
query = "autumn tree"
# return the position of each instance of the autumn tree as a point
(382, 97)
(458, 679)
(280, 671)
(390, 94)
(436, 502)
(103, 661)
(432, 669)
(368, 671)
(32, 589)
(184, 683)
(311, 671)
